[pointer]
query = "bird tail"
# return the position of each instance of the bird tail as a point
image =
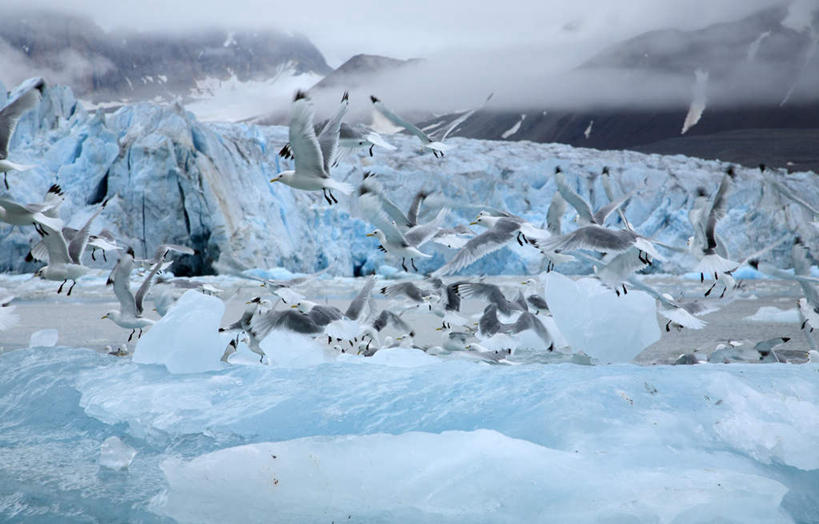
(342, 187)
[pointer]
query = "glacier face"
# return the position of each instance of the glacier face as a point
(207, 185)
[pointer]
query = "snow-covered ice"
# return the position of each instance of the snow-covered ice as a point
(186, 339)
(774, 314)
(44, 338)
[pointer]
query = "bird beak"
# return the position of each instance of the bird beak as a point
(439, 328)
(370, 234)
(473, 223)
(104, 316)
(275, 179)
(294, 306)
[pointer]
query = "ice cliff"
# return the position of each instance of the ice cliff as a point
(207, 185)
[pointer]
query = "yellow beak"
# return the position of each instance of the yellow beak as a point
(370, 234)
(104, 316)
(275, 179)
(473, 223)
(294, 306)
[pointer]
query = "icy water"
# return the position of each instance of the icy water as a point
(403, 436)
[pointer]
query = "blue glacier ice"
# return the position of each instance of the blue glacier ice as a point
(457, 439)
(207, 185)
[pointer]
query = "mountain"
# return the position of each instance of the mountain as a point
(354, 72)
(762, 74)
(113, 68)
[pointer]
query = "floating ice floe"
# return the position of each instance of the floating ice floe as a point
(774, 314)
(115, 454)
(593, 319)
(44, 338)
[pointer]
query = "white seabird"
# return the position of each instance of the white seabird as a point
(9, 116)
(313, 159)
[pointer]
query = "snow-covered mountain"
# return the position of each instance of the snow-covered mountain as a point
(222, 75)
(761, 93)
(207, 185)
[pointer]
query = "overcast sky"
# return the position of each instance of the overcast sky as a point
(422, 28)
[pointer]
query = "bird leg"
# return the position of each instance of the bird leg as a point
(73, 283)
(140, 333)
(710, 289)
(371, 149)
(721, 295)
(335, 200)
(60, 289)
(625, 291)
(668, 326)
(412, 262)
(131, 335)
(404, 264)
(324, 190)
(716, 277)
(329, 340)
(617, 291)
(518, 239)
(103, 256)
(93, 251)
(804, 324)
(6, 179)
(702, 278)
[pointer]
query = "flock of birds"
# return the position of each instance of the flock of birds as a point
(617, 253)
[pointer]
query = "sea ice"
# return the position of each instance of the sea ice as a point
(593, 319)
(186, 339)
(45, 338)
(774, 314)
(115, 454)
(454, 476)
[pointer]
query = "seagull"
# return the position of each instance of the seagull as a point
(707, 248)
(9, 116)
(77, 239)
(682, 314)
(328, 135)
(243, 325)
(501, 230)
(104, 241)
(312, 157)
(397, 245)
(378, 209)
(599, 238)
(582, 206)
(493, 295)
(489, 325)
(353, 137)
(130, 311)
(438, 148)
(31, 214)
(808, 305)
(61, 264)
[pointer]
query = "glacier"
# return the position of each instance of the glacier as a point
(207, 185)
(437, 441)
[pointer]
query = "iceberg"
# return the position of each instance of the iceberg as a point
(774, 314)
(44, 338)
(454, 476)
(186, 339)
(593, 319)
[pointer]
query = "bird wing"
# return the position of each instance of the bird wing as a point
(146, 284)
(574, 199)
(487, 242)
(389, 318)
(120, 277)
(592, 237)
(329, 135)
(303, 141)
(357, 304)
(716, 212)
(323, 315)
(407, 289)
(370, 206)
(603, 213)
(372, 187)
(421, 234)
(463, 118)
(55, 244)
(80, 239)
(397, 120)
(10, 114)
(415, 207)
(554, 216)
